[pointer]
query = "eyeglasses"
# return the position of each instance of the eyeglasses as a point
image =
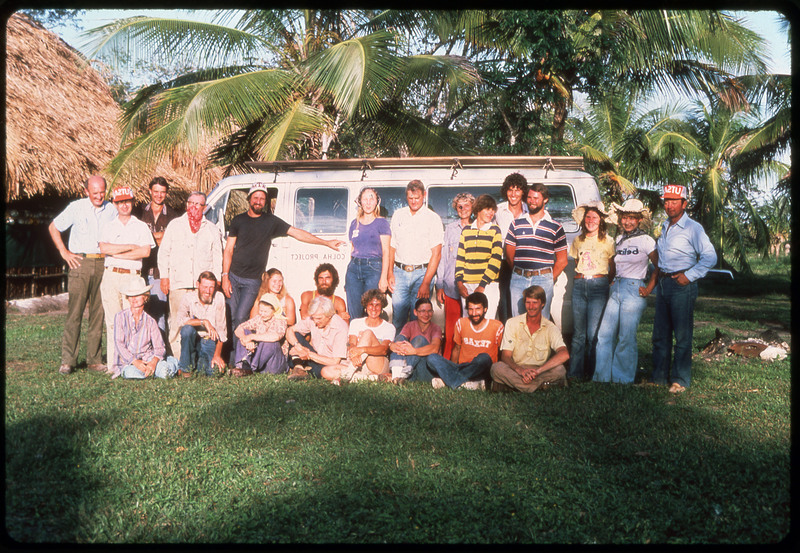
(195, 203)
(424, 310)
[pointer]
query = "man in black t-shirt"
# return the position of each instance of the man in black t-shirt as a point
(247, 250)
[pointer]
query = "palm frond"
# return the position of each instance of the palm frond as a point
(297, 122)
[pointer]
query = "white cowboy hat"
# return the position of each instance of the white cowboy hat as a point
(137, 287)
(631, 205)
(272, 299)
(578, 212)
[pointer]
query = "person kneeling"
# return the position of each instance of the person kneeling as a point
(368, 344)
(475, 343)
(139, 350)
(526, 363)
(327, 344)
(259, 346)
(201, 319)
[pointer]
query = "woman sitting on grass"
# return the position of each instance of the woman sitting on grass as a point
(368, 344)
(272, 281)
(593, 251)
(626, 300)
(259, 346)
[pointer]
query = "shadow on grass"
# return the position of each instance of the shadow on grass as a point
(354, 464)
(52, 481)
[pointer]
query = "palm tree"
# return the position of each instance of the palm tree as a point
(272, 84)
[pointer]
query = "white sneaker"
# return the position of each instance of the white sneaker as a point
(401, 371)
(474, 385)
(438, 383)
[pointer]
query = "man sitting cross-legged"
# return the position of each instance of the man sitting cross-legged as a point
(533, 353)
(139, 350)
(201, 319)
(368, 343)
(327, 344)
(416, 341)
(476, 340)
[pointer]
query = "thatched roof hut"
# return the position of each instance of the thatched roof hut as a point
(61, 122)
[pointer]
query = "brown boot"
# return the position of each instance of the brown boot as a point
(298, 373)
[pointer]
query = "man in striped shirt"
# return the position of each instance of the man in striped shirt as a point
(536, 248)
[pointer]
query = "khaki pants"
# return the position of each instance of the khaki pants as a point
(504, 374)
(114, 301)
(83, 285)
(173, 330)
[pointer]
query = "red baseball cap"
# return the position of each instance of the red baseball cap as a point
(121, 194)
(674, 192)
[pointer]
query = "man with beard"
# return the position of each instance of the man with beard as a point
(156, 215)
(536, 249)
(244, 259)
(191, 245)
(476, 341)
(201, 323)
(327, 278)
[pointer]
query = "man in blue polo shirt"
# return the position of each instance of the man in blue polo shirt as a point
(685, 254)
(536, 249)
(85, 218)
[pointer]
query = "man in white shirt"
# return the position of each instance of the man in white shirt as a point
(84, 217)
(125, 241)
(191, 245)
(414, 253)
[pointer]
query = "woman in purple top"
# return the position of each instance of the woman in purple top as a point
(369, 236)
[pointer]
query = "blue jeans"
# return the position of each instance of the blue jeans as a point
(196, 351)
(166, 368)
(362, 275)
(674, 316)
(157, 305)
(454, 375)
(416, 362)
(589, 296)
(519, 283)
(406, 287)
(243, 295)
(620, 321)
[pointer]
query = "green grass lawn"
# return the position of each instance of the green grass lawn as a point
(262, 459)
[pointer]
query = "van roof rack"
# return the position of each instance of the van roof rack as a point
(553, 163)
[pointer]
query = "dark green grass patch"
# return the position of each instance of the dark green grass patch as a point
(261, 459)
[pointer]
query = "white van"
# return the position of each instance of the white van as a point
(319, 196)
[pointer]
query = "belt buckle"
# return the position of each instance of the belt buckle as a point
(408, 268)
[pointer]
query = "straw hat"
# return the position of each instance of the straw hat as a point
(578, 212)
(272, 299)
(137, 287)
(631, 205)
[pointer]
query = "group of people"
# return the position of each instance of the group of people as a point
(153, 278)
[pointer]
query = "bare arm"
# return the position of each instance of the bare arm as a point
(644, 291)
(425, 286)
(455, 353)
(510, 252)
(390, 269)
(72, 259)
(305, 301)
(227, 257)
(308, 238)
(560, 264)
(383, 283)
(125, 251)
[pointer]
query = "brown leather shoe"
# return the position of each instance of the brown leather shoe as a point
(98, 367)
(65, 369)
(297, 373)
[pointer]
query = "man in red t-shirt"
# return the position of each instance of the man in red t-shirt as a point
(476, 341)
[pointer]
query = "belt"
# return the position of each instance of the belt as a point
(670, 275)
(92, 255)
(526, 273)
(126, 271)
(581, 275)
(409, 268)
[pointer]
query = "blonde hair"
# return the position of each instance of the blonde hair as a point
(264, 288)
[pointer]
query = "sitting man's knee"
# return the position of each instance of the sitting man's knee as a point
(188, 331)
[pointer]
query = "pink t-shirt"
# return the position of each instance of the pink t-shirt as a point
(412, 329)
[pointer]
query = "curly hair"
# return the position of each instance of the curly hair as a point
(322, 267)
(371, 294)
(514, 180)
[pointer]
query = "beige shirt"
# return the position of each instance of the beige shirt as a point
(591, 255)
(330, 341)
(527, 349)
(132, 232)
(192, 308)
(414, 236)
(183, 255)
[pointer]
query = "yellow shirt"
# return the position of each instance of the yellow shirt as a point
(591, 255)
(531, 349)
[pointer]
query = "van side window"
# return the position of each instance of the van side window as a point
(561, 204)
(237, 203)
(392, 199)
(321, 210)
(440, 198)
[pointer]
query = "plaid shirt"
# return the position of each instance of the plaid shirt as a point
(134, 340)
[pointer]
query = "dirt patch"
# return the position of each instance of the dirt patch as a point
(19, 366)
(44, 304)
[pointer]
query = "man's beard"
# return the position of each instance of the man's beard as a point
(535, 210)
(322, 291)
(473, 321)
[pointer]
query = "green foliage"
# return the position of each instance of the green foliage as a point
(261, 459)
(55, 18)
